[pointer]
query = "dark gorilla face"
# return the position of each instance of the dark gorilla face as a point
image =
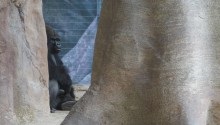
(53, 40)
(54, 45)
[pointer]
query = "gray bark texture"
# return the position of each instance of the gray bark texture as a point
(156, 62)
(23, 62)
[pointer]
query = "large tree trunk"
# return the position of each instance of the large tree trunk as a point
(23, 62)
(156, 62)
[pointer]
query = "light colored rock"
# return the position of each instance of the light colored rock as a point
(214, 114)
(53, 119)
(156, 62)
(23, 62)
(80, 90)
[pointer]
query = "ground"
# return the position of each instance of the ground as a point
(53, 119)
(57, 117)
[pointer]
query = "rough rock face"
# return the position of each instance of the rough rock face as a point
(155, 63)
(23, 62)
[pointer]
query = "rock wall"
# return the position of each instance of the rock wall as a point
(156, 62)
(23, 62)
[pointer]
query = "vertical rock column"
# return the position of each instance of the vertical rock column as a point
(23, 62)
(8, 57)
(156, 63)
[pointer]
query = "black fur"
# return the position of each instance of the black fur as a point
(60, 84)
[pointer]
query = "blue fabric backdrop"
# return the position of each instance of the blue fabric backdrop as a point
(76, 23)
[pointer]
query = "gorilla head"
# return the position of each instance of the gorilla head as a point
(53, 41)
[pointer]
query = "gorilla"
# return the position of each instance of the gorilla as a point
(60, 84)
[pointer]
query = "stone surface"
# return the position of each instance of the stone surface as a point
(53, 119)
(214, 114)
(80, 90)
(155, 63)
(23, 62)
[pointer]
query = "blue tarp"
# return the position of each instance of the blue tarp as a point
(79, 59)
(76, 23)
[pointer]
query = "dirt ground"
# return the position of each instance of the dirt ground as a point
(53, 119)
(57, 117)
